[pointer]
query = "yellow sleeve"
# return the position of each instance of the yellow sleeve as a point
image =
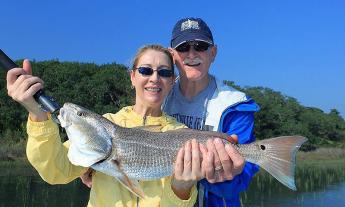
(170, 199)
(48, 155)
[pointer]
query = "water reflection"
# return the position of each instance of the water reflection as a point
(28, 189)
(318, 185)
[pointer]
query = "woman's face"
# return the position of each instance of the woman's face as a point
(152, 89)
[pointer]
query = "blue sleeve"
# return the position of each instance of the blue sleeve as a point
(240, 123)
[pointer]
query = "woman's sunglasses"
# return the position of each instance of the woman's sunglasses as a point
(147, 71)
(198, 46)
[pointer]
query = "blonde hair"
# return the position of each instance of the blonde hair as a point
(154, 47)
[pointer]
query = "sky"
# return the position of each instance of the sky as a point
(296, 47)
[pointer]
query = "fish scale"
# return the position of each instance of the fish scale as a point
(150, 157)
(145, 160)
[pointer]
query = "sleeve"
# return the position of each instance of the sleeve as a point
(170, 199)
(48, 155)
(240, 123)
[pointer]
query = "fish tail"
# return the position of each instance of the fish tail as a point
(280, 157)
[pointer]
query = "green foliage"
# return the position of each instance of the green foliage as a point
(106, 88)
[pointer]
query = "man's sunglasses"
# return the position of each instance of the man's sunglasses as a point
(198, 46)
(147, 71)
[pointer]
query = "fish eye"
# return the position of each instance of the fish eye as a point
(79, 113)
(262, 147)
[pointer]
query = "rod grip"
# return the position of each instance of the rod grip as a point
(6, 62)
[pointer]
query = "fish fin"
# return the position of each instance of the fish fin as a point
(280, 157)
(112, 168)
(150, 128)
(132, 185)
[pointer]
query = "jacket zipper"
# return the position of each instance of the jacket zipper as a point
(144, 120)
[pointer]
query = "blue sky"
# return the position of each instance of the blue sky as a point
(296, 47)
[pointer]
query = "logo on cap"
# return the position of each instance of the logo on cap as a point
(189, 24)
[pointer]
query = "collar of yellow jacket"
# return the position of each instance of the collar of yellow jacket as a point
(132, 119)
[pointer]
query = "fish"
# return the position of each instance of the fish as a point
(145, 153)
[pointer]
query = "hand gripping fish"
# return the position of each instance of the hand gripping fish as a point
(131, 154)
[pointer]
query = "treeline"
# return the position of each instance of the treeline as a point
(106, 88)
(283, 115)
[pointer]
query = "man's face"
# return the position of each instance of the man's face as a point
(193, 61)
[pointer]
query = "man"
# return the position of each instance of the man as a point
(202, 102)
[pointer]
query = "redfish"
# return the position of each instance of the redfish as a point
(142, 153)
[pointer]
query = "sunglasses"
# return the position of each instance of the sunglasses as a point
(198, 46)
(147, 71)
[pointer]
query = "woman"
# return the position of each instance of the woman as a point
(152, 76)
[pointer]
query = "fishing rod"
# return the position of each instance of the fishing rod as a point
(47, 103)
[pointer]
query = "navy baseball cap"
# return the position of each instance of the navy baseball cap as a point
(190, 29)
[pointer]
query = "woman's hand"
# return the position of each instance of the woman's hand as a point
(21, 86)
(187, 168)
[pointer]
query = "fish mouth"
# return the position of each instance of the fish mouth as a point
(63, 118)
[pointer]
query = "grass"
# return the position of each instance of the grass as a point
(10, 151)
(322, 154)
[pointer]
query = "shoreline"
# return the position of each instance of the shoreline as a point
(321, 155)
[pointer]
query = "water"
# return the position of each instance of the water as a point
(331, 196)
(31, 191)
(318, 185)
(22, 186)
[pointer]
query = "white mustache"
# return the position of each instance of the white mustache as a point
(194, 61)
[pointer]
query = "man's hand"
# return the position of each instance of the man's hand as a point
(86, 178)
(223, 162)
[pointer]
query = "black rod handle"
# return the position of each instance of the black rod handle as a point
(47, 103)
(6, 62)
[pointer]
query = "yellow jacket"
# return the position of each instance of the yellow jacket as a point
(48, 155)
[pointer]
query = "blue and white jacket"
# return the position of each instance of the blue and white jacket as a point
(229, 111)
